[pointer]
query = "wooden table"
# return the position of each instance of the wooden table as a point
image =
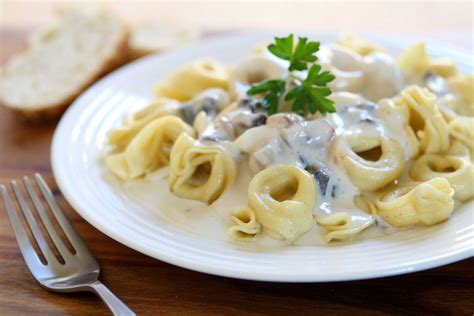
(150, 286)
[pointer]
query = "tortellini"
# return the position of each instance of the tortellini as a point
(198, 171)
(254, 139)
(462, 129)
(377, 169)
(425, 119)
(382, 78)
(361, 46)
(120, 137)
(346, 65)
(246, 226)
(149, 149)
(253, 70)
(451, 106)
(390, 108)
(458, 170)
(415, 62)
(375, 75)
(443, 67)
(201, 122)
(193, 78)
(417, 203)
(340, 228)
(283, 198)
(398, 151)
(463, 85)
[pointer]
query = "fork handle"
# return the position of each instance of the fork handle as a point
(113, 302)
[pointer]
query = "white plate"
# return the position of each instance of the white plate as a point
(78, 147)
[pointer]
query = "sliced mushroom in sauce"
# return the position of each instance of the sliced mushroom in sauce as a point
(211, 101)
(321, 176)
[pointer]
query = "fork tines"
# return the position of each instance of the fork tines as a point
(78, 270)
(22, 237)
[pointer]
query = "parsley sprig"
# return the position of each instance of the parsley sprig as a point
(310, 93)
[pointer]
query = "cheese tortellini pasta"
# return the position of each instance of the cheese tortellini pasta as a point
(346, 65)
(462, 129)
(198, 171)
(340, 226)
(149, 149)
(464, 86)
(397, 152)
(361, 46)
(414, 203)
(458, 171)
(193, 78)
(415, 62)
(425, 119)
(246, 226)
(368, 169)
(283, 198)
(121, 136)
(374, 74)
(251, 70)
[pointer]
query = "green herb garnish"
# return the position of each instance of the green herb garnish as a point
(309, 93)
(274, 90)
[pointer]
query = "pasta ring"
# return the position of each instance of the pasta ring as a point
(193, 78)
(414, 60)
(120, 137)
(463, 85)
(149, 149)
(382, 77)
(458, 170)
(346, 65)
(252, 70)
(246, 226)
(283, 198)
(425, 119)
(428, 203)
(200, 172)
(340, 224)
(359, 45)
(462, 129)
(370, 175)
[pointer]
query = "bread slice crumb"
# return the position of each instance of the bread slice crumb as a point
(62, 60)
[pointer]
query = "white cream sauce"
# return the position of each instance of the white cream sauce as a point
(212, 221)
(290, 139)
(308, 145)
(287, 139)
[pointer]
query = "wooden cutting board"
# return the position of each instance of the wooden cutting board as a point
(150, 286)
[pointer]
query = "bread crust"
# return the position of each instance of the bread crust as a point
(53, 111)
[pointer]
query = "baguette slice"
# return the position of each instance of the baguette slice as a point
(62, 60)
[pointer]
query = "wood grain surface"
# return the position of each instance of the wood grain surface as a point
(152, 287)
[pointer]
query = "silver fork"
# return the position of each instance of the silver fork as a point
(80, 270)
